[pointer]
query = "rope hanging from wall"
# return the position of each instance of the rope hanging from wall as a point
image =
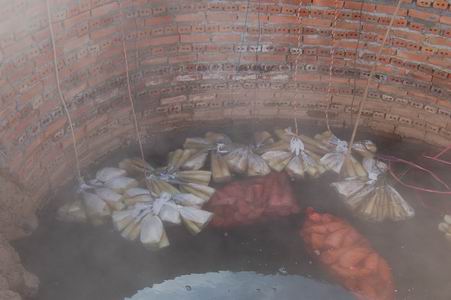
(332, 62)
(61, 95)
(370, 77)
(129, 90)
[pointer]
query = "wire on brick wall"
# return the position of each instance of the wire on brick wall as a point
(129, 90)
(60, 93)
(370, 77)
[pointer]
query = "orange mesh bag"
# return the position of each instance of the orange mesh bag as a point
(252, 200)
(347, 256)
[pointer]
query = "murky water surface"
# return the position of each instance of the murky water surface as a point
(263, 261)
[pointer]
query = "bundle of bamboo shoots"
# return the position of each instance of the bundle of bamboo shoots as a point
(195, 153)
(285, 136)
(245, 159)
(293, 157)
(445, 227)
(171, 178)
(98, 199)
(336, 161)
(372, 198)
(146, 219)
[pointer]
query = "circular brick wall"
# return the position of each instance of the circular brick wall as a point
(207, 60)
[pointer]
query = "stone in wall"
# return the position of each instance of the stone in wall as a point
(17, 216)
(14, 279)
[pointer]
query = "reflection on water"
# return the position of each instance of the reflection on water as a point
(241, 286)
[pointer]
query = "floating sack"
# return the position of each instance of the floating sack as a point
(445, 227)
(109, 173)
(245, 159)
(97, 210)
(253, 200)
(372, 198)
(113, 199)
(121, 184)
(72, 212)
(196, 151)
(296, 161)
(347, 256)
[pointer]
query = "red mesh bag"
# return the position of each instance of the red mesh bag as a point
(347, 256)
(253, 200)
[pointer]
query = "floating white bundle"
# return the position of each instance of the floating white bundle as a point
(72, 212)
(297, 161)
(145, 198)
(286, 135)
(335, 159)
(153, 235)
(445, 227)
(245, 159)
(135, 167)
(175, 181)
(146, 219)
(136, 192)
(195, 219)
(97, 210)
(371, 198)
(195, 154)
(121, 183)
(113, 199)
(109, 173)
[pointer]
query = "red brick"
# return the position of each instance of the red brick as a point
(221, 17)
(105, 9)
(359, 5)
(431, 17)
(227, 38)
(197, 17)
(316, 22)
(164, 40)
(194, 38)
(440, 41)
(440, 4)
(159, 20)
(313, 40)
(445, 20)
(328, 3)
(283, 19)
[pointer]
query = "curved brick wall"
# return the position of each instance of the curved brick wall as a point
(196, 60)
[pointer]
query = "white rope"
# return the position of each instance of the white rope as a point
(129, 90)
(370, 77)
(60, 93)
(332, 62)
